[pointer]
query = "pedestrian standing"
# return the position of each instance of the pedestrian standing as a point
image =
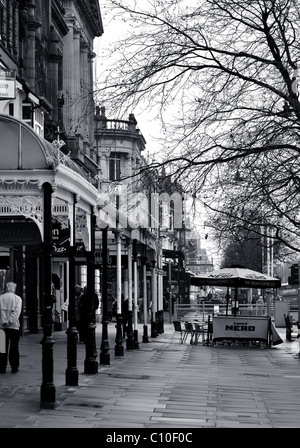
(259, 305)
(10, 310)
(85, 311)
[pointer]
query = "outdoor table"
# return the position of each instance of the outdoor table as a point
(241, 328)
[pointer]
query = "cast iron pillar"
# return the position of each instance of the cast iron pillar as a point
(48, 391)
(130, 340)
(72, 333)
(119, 349)
(135, 283)
(90, 362)
(154, 333)
(145, 300)
(104, 354)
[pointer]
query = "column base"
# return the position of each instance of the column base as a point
(90, 367)
(72, 376)
(145, 334)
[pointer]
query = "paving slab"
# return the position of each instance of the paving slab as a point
(163, 384)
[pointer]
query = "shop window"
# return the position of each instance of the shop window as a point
(38, 120)
(34, 117)
(11, 109)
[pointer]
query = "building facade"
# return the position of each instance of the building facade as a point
(77, 202)
(46, 119)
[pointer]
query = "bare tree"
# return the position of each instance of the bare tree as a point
(228, 71)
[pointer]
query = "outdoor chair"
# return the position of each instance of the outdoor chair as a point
(179, 329)
(289, 333)
(188, 330)
(200, 330)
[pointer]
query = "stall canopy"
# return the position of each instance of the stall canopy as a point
(236, 277)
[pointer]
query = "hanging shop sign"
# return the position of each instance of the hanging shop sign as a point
(112, 262)
(7, 84)
(60, 237)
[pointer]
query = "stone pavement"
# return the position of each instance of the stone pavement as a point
(163, 384)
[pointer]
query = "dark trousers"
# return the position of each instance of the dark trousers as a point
(81, 330)
(12, 350)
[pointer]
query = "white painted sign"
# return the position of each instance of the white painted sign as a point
(7, 83)
(230, 327)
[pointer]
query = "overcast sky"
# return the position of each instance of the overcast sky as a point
(113, 31)
(151, 130)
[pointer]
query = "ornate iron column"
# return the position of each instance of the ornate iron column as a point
(119, 349)
(130, 340)
(145, 298)
(48, 391)
(72, 333)
(90, 362)
(104, 355)
(154, 333)
(135, 278)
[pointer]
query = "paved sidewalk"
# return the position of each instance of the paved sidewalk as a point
(163, 384)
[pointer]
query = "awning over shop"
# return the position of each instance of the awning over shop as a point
(23, 149)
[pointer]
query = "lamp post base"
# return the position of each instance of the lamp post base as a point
(130, 345)
(119, 349)
(48, 390)
(154, 333)
(72, 371)
(136, 340)
(104, 355)
(145, 334)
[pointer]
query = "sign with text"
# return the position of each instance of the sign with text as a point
(229, 327)
(7, 83)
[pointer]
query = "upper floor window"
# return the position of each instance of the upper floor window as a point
(34, 117)
(27, 113)
(115, 166)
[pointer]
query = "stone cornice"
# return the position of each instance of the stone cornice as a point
(91, 10)
(57, 13)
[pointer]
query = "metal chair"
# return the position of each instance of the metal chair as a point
(178, 328)
(188, 329)
(289, 333)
